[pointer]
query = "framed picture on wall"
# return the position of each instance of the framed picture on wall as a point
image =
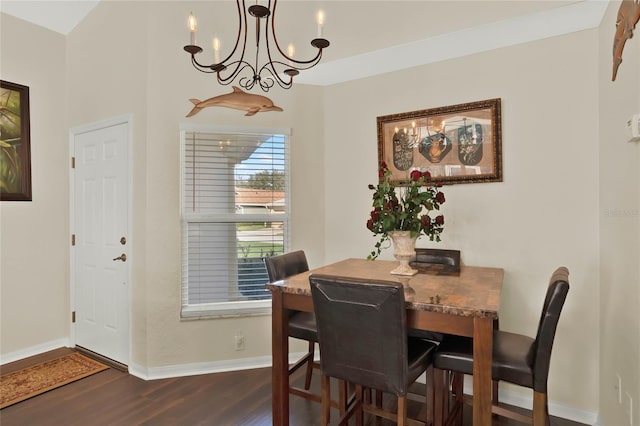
(456, 144)
(15, 150)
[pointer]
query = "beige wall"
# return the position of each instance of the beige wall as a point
(155, 81)
(559, 177)
(35, 237)
(619, 221)
(544, 214)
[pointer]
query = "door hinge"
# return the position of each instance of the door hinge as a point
(73, 239)
(73, 316)
(73, 162)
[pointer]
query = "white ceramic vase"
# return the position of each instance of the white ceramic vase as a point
(404, 249)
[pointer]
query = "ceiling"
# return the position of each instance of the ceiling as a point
(375, 37)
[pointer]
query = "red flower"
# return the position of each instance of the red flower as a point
(370, 224)
(371, 186)
(426, 175)
(375, 215)
(415, 175)
(426, 221)
(381, 173)
(439, 220)
(440, 197)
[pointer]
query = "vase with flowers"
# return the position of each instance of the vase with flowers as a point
(403, 214)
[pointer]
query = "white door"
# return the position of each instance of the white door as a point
(101, 259)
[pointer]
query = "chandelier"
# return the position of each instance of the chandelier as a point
(280, 67)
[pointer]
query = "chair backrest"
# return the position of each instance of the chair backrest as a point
(540, 355)
(362, 331)
(444, 257)
(285, 265)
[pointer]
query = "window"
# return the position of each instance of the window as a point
(235, 210)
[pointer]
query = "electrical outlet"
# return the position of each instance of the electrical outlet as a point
(239, 341)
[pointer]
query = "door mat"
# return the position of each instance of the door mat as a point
(39, 378)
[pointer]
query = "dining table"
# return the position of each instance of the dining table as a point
(464, 303)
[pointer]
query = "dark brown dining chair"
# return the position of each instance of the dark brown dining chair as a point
(362, 331)
(447, 262)
(302, 325)
(449, 259)
(442, 262)
(517, 358)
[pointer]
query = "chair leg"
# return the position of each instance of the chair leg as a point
(430, 394)
(440, 395)
(378, 395)
(342, 397)
(307, 380)
(494, 392)
(458, 386)
(402, 410)
(540, 409)
(326, 401)
(358, 401)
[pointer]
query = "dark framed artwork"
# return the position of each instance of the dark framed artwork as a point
(456, 144)
(15, 149)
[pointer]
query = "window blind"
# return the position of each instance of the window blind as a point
(234, 213)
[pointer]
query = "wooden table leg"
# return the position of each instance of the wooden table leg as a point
(482, 355)
(280, 360)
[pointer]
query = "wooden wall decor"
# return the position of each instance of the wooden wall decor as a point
(628, 16)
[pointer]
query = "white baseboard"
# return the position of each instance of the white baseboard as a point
(34, 350)
(526, 401)
(169, 371)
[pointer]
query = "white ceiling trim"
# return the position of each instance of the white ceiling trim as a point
(58, 16)
(550, 23)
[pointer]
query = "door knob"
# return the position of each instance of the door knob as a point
(122, 257)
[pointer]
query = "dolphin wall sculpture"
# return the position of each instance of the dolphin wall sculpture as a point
(237, 99)
(628, 17)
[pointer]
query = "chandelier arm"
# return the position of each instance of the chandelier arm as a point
(275, 77)
(240, 66)
(305, 65)
(242, 25)
(197, 65)
(270, 68)
(246, 83)
(270, 65)
(311, 62)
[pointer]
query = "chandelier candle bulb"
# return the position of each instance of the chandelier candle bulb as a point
(216, 50)
(320, 21)
(192, 29)
(290, 52)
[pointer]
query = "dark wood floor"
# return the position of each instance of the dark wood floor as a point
(112, 397)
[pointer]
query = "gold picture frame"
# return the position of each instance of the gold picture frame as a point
(456, 144)
(15, 142)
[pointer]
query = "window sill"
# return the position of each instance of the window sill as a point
(226, 310)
